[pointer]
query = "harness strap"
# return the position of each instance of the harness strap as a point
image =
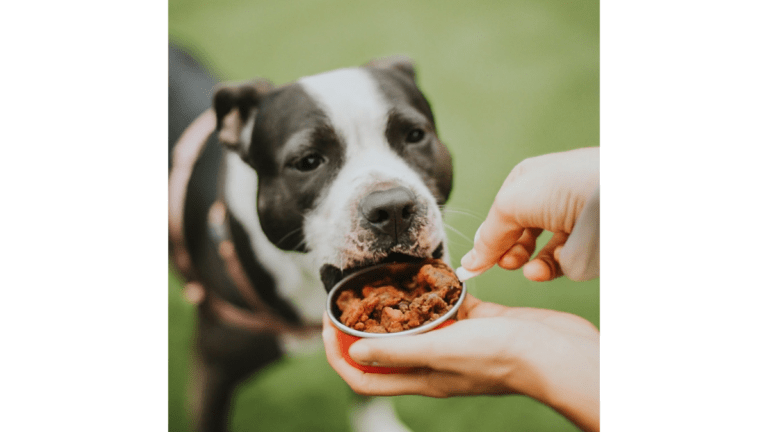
(261, 318)
(217, 222)
(185, 154)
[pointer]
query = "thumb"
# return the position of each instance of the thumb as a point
(495, 236)
(406, 351)
(465, 345)
(429, 349)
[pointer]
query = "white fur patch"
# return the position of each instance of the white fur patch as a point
(296, 278)
(247, 131)
(358, 112)
(351, 100)
(376, 415)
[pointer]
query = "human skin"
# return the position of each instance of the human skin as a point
(545, 192)
(547, 355)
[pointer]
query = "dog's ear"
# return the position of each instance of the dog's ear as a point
(398, 62)
(235, 105)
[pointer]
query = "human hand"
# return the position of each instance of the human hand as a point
(547, 355)
(546, 192)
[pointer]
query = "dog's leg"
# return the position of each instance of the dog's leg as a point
(376, 415)
(225, 357)
(211, 397)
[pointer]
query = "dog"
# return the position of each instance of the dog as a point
(278, 192)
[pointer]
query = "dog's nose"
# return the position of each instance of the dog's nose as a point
(389, 211)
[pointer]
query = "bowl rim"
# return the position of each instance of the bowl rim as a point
(420, 329)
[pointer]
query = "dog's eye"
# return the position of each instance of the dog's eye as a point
(309, 162)
(415, 135)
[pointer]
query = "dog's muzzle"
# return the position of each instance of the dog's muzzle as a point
(390, 220)
(389, 213)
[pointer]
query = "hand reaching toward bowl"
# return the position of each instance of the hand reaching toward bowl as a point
(548, 355)
(556, 192)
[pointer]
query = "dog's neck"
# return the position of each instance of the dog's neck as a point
(297, 277)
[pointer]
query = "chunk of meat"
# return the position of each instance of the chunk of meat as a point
(387, 308)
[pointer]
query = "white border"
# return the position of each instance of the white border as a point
(84, 248)
(683, 187)
(683, 135)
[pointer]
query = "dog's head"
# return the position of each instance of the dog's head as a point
(349, 165)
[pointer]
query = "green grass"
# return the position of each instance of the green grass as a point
(507, 81)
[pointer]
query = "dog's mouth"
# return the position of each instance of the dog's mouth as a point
(331, 275)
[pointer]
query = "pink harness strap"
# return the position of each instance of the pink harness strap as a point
(261, 318)
(185, 154)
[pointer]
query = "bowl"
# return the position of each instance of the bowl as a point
(398, 272)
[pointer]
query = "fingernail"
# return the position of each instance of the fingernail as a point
(464, 274)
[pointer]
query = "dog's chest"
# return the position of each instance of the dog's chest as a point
(298, 281)
(296, 277)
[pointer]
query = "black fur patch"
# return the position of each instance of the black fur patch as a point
(286, 193)
(410, 110)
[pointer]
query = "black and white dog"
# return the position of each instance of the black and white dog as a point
(298, 186)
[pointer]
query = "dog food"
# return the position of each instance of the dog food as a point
(389, 307)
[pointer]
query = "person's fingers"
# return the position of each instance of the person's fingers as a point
(495, 236)
(333, 352)
(411, 351)
(466, 345)
(408, 351)
(417, 381)
(424, 382)
(368, 384)
(514, 258)
(545, 267)
(521, 252)
(437, 349)
(467, 358)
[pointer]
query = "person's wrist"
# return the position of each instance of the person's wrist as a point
(529, 380)
(569, 386)
(528, 374)
(541, 362)
(579, 405)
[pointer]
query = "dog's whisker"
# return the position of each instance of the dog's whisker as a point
(459, 233)
(463, 212)
(285, 237)
(302, 243)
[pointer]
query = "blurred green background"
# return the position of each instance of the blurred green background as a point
(506, 80)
